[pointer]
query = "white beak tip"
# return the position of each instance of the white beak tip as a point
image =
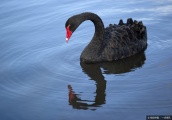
(67, 39)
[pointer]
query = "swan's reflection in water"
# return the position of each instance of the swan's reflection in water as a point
(95, 73)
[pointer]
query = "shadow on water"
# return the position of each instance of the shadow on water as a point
(95, 73)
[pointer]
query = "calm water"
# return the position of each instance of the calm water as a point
(41, 77)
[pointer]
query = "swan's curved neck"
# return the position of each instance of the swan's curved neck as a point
(99, 26)
(93, 49)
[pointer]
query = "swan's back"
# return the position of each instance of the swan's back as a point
(123, 40)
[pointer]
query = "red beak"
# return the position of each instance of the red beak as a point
(68, 33)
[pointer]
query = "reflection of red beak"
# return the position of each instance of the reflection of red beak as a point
(68, 33)
(71, 94)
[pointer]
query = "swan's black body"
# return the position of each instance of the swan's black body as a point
(113, 42)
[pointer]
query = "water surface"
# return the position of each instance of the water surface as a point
(41, 76)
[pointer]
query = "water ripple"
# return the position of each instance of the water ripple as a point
(39, 68)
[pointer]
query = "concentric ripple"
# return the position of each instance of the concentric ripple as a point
(41, 75)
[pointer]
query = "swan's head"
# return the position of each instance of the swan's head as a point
(71, 25)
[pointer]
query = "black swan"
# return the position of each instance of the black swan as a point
(111, 43)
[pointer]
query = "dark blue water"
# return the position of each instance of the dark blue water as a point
(41, 77)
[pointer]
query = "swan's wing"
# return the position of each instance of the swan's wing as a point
(124, 40)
